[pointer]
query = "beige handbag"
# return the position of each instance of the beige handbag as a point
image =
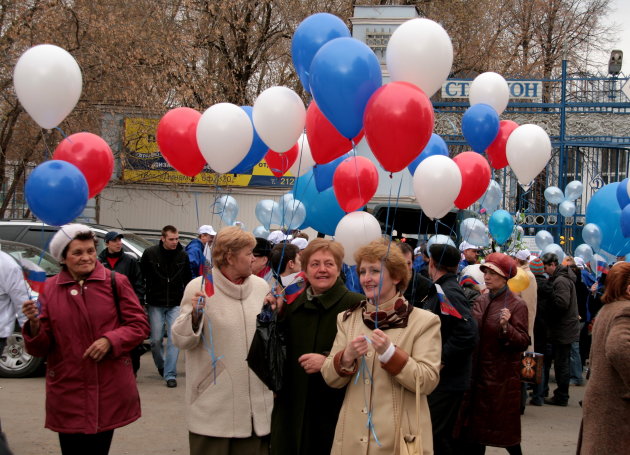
(410, 444)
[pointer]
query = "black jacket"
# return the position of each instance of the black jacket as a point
(129, 267)
(562, 317)
(544, 302)
(166, 274)
(418, 289)
(459, 336)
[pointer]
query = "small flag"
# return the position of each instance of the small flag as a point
(602, 267)
(293, 290)
(209, 284)
(467, 279)
(34, 275)
(446, 307)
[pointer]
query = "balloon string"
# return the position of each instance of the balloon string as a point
(63, 134)
(197, 208)
(364, 370)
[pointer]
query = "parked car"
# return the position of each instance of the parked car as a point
(15, 362)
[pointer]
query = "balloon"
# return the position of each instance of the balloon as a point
(227, 209)
(585, 252)
(292, 211)
(604, 211)
(420, 51)
(622, 194)
(554, 248)
(573, 190)
(355, 182)
(475, 172)
(256, 152)
(312, 33)
(518, 282)
(398, 123)
(474, 231)
(554, 195)
(326, 142)
(224, 134)
(56, 191)
(48, 83)
(501, 225)
(260, 231)
(280, 163)
(480, 125)
(267, 212)
(279, 115)
(324, 212)
(567, 208)
(304, 161)
(344, 74)
(324, 173)
(439, 239)
(437, 172)
(492, 197)
(491, 89)
(92, 155)
(543, 238)
(592, 235)
(305, 190)
(625, 221)
(355, 230)
(176, 138)
(496, 150)
(435, 146)
(528, 151)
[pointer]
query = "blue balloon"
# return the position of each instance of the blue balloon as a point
(324, 212)
(324, 172)
(256, 153)
(501, 225)
(57, 192)
(480, 125)
(312, 33)
(604, 211)
(305, 190)
(435, 146)
(625, 221)
(622, 194)
(344, 74)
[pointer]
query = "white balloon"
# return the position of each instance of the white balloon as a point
(279, 116)
(420, 51)
(555, 249)
(355, 230)
(305, 161)
(491, 89)
(224, 136)
(528, 151)
(48, 83)
(474, 231)
(436, 183)
(567, 208)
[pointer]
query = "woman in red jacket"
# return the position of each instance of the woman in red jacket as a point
(86, 333)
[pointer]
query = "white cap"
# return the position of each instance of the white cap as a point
(467, 246)
(64, 236)
(579, 262)
(523, 255)
(417, 250)
(278, 236)
(299, 242)
(206, 229)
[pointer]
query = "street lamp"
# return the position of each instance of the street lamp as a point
(614, 64)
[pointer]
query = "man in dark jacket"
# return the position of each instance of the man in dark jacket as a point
(563, 324)
(418, 287)
(114, 258)
(459, 337)
(166, 271)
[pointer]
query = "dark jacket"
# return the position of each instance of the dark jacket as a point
(562, 316)
(418, 289)
(544, 301)
(166, 274)
(459, 336)
(306, 410)
(128, 266)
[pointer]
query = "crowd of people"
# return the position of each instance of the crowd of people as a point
(408, 351)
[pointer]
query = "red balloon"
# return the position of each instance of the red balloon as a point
(325, 141)
(496, 150)
(475, 172)
(398, 122)
(279, 163)
(177, 140)
(92, 155)
(355, 181)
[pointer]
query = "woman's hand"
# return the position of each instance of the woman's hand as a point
(198, 305)
(98, 349)
(312, 363)
(355, 349)
(380, 341)
(275, 300)
(30, 310)
(504, 317)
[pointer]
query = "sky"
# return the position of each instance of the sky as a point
(621, 17)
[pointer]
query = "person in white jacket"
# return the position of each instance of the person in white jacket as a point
(13, 292)
(228, 408)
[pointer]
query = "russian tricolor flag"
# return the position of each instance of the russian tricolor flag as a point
(293, 290)
(34, 275)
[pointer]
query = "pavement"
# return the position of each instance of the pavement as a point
(162, 429)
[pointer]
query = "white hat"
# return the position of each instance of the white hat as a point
(299, 242)
(278, 236)
(206, 229)
(64, 236)
(523, 255)
(579, 262)
(467, 246)
(417, 250)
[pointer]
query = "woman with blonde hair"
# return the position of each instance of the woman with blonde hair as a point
(395, 348)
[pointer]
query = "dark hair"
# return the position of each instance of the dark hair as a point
(405, 248)
(80, 236)
(168, 228)
(281, 254)
(617, 282)
(549, 258)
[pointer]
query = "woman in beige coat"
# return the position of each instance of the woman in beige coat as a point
(606, 406)
(386, 351)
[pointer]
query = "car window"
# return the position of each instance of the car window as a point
(38, 236)
(10, 232)
(136, 241)
(31, 254)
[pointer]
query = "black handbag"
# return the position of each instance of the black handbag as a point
(268, 350)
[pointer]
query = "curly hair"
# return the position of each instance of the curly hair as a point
(230, 240)
(383, 251)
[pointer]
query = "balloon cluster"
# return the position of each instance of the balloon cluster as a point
(48, 83)
(606, 210)
(565, 201)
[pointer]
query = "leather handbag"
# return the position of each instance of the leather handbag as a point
(532, 364)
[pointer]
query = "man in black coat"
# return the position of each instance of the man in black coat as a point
(418, 287)
(166, 272)
(459, 337)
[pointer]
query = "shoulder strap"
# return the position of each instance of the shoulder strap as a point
(115, 293)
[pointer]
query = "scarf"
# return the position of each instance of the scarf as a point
(391, 314)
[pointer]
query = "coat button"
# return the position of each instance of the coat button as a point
(51, 373)
(367, 381)
(369, 354)
(364, 439)
(364, 410)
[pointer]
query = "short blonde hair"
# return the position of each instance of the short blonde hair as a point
(230, 240)
(390, 255)
(335, 248)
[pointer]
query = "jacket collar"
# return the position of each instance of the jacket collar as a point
(230, 289)
(98, 274)
(326, 300)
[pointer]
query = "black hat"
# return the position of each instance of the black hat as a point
(112, 235)
(263, 247)
(445, 255)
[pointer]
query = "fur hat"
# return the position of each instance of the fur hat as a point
(64, 236)
(444, 254)
(500, 263)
